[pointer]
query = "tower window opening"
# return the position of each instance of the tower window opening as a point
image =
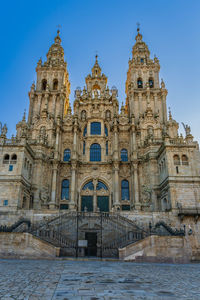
(10, 168)
(151, 83)
(5, 202)
(177, 170)
(6, 159)
(176, 160)
(55, 84)
(14, 159)
(185, 160)
(139, 83)
(142, 60)
(44, 84)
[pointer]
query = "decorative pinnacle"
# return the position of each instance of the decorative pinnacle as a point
(24, 116)
(138, 26)
(170, 114)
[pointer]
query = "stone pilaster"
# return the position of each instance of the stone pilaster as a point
(72, 204)
(53, 203)
(136, 186)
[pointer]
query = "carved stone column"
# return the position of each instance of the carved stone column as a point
(53, 204)
(136, 186)
(72, 204)
(95, 181)
(116, 202)
(39, 104)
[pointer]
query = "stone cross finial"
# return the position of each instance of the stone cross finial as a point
(138, 26)
(170, 114)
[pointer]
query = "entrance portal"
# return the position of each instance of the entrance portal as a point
(91, 237)
(95, 197)
(103, 203)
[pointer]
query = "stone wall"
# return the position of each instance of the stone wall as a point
(25, 245)
(158, 249)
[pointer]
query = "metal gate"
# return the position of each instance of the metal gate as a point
(82, 234)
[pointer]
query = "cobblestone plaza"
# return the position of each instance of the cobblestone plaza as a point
(45, 280)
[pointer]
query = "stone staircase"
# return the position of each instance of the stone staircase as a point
(113, 231)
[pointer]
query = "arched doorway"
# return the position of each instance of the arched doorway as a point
(95, 196)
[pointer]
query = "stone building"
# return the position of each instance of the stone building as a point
(99, 158)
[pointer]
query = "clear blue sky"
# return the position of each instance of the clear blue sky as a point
(171, 28)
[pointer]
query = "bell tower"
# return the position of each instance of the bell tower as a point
(143, 89)
(50, 97)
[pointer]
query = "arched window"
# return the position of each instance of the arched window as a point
(55, 84)
(14, 159)
(44, 84)
(67, 155)
(89, 186)
(101, 185)
(106, 148)
(95, 152)
(176, 160)
(65, 190)
(95, 128)
(124, 155)
(84, 148)
(6, 159)
(185, 160)
(151, 83)
(106, 130)
(85, 131)
(125, 189)
(139, 83)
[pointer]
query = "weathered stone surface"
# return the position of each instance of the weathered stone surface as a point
(25, 245)
(144, 169)
(90, 280)
(158, 249)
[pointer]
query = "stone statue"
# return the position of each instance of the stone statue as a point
(147, 193)
(44, 195)
(187, 129)
(3, 130)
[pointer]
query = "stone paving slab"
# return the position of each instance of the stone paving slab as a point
(92, 280)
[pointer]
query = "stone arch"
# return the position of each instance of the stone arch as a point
(95, 197)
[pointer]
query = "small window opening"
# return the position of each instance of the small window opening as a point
(5, 202)
(44, 84)
(10, 168)
(140, 83)
(55, 84)
(6, 159)
(151, 83)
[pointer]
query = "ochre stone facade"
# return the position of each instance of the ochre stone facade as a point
(97, 158)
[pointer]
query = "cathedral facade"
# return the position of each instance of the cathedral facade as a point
(100, 157)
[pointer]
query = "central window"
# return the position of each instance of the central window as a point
(95, 128)
(95, 152)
